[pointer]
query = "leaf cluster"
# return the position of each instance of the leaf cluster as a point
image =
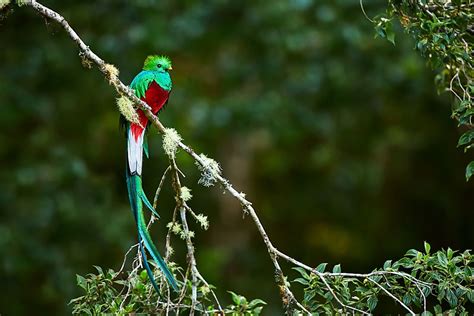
(111, 292)
(241, 306)
(443, 33)
(428, 283)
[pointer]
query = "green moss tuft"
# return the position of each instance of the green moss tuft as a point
(125, 107)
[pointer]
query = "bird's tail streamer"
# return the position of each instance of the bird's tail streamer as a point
(137, 198)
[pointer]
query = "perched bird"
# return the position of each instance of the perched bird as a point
(153, 86)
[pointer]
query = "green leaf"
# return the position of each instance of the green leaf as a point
(375, 278)
(336, 269)
(412, 253)
(130, 308)
(121, 282)
(254, 303)
(469, 170)
(441, 295)
(470, 295)
(81, 281)
(387, 264)
(466, 138)
(438, 309)
(237, 299)
(321, 267)
(442, 258)
(452, 298)
(372, 302)
(309, 295)
(301, 281)
(303, 272)
(99, 269)
(406, 299)
(450, 253)
(421, 45)
(390, 33)
(140, 287)
(257, 310)
(405, 262)
(328, 296)
(379, 30)
(460, 292)
(143, 275)
(468, 271)
(426, 290)
(427, 248)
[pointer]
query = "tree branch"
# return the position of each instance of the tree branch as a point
(288, 298)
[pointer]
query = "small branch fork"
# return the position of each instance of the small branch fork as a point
(182, 207)
(288, 297)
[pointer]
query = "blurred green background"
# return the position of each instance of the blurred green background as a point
(339, 140)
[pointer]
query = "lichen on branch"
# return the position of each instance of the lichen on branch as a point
(4, 3)
(210, 170)
(171, 140)
(126, 108)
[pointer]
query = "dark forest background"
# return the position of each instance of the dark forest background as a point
(340, 141)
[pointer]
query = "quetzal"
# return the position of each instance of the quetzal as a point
(153, 86)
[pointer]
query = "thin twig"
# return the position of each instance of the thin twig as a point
(392, 296)
(192, 260)
(363, 11)
(212, 292)
(183, 208)
(125, 258)
(130, 286)
(189, 244)
(344, 306)
(160, 186)
(168, 249)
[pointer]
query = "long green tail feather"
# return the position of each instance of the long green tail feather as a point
(137, 197)
(147, 202)
(153, 251)
(145, 146)
(147, 266)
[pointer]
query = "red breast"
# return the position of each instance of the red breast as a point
(155, 97)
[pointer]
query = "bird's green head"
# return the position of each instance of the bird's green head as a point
(157, 63)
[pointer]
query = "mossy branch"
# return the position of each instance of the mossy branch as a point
(211, 173)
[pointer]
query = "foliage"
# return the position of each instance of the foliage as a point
(241, 306)
(444, 34)
(111, 292)
(431, 283)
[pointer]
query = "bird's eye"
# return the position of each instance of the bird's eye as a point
(159, 66)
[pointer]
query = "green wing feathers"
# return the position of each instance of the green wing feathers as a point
(141, 83)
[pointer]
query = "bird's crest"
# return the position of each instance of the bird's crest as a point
(154, 61)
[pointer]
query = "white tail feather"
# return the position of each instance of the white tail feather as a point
(135, 153)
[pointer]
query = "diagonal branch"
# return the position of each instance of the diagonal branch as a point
(111, 73)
